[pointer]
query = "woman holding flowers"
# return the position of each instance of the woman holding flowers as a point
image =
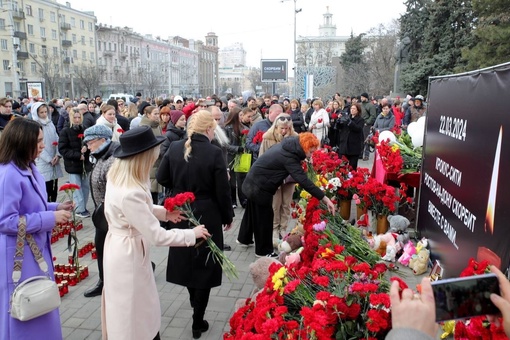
(130, 305)
(282, 127)
(237, 127)
(76, 161)
(48, 161)
(23, 193)
(350, 135)
(319, 121)
(195, 165)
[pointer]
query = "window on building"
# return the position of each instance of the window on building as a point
(74, 38)
(43, 50)
(83, 40)
(98, 45)
(54, 34)
(30, 29)
(43, 32)
(82, 24)
(91, 42)
(31, 48)
(91, 27)
(3, 44)
(2, 24)
(114, 47)
(84, 55)
(53, 17)
(55, 51)
(73, 22)
(28, 10)
(17, 26)
(109, 46)
(92, 56)
(8, 88)
(41, 14)
(6, 64)
(75, 54)
(33, 67)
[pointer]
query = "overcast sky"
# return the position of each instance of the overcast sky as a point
(265, 27)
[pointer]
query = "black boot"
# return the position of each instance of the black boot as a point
(197, 332)
(95, 291)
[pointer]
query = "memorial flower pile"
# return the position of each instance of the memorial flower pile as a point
(182, 202)
(399, 156)
(337, 290)
(380, 198)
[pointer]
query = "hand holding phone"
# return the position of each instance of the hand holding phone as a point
(464, 297)
(502, 301)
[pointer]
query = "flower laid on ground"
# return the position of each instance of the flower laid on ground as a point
(72, 241)
(182, 202)
(380, 198)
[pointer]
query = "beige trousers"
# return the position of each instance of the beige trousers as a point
(281, 207)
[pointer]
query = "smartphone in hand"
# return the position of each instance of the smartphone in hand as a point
(464, 297)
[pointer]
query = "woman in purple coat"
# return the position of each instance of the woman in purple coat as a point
(23, 193)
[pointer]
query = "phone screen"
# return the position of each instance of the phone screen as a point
(464, 297)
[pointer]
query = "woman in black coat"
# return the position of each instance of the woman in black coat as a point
(76, 161)
(298, 120)
(174, 130)
(265, 176)
(350, 135)
(195, 165)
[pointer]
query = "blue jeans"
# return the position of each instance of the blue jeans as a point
(81, 196)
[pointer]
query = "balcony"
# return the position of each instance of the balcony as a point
(65, 26)
(18, 14)
(107, 53)
(67, 60)
(19, 34)
(22, 55)
(67, 43)
(135, 55)
(116, 69)
(123, 55)
(102, 68)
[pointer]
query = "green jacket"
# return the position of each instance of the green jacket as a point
(368, 113)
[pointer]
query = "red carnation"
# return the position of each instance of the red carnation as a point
(69, 186)
(81, 135)
(258, 137)
(245, 132)
(319, 120)
(120, 130)
(54, 143)
(334, 116)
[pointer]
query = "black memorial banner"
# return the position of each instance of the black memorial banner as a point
(464, 202)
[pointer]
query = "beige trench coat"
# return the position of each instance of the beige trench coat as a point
(130, 303)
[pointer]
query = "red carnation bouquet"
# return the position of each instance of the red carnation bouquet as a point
(257, 139)
(182, 202)
(72, 241)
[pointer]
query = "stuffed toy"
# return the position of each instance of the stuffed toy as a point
(409, 251)
(259, 271)
(419, 262)
(398, 226)
(290, 243)
(379, 243)
(422, 244)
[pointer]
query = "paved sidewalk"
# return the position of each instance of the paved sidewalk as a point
(81, 317)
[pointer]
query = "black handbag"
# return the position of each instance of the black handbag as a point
(99, 219)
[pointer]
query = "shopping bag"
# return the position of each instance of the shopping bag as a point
(244, 163)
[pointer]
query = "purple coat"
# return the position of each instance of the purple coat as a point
(22, 193)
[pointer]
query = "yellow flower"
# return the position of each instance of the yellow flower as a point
(278, 279)
(327, 253)
(394, 147)
(304, 194)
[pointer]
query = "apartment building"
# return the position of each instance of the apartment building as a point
(45, 42)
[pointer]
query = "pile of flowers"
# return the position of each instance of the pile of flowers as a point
(338, 290)
(399, 156)
(378, 197)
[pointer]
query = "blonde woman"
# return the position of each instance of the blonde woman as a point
(108, 119)
(130, 305)
(319, 122)
(282, 127)
(151, 118)
(132, 111)
(194, 164)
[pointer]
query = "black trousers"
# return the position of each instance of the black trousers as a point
(353, 160)
(257, 221)
(236, 185)
(199, 298)
(52, 190)
(99, 241)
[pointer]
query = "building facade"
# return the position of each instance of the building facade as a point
(43, 42)
(232, 56)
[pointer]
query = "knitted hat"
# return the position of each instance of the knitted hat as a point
(97, 132)
(364, 94)
(175, 115)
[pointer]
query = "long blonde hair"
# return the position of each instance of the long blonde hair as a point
(198, 122)
(133, 171)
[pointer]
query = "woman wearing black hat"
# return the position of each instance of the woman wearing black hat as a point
(131, 308)
(196, 165)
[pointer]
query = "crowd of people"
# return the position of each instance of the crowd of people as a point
(128, 156)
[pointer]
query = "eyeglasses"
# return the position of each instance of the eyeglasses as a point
(90, 142)
(120, 103)
(282, 119)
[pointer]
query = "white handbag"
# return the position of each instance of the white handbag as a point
(36, 295)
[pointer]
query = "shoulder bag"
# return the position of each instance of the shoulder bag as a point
(36, 295)
(99, 219)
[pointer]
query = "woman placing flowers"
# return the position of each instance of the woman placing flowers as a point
(130, 307)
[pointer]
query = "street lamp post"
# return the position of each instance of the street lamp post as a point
(296, 11)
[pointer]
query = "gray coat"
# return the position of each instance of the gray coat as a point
(383, 123)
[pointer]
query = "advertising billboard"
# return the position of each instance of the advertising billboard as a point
(273, 70)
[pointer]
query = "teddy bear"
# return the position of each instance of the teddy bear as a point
(419, 262)
(383, 244)
(398, 226)
(290, 248)
(409, 251)
(259, 271)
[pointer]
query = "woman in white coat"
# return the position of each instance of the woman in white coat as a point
(319, 121)
(108, 119)
(130, 301)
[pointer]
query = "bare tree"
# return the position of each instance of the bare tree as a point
(151, 79)
(254, 78)
(48, 66)
(315, 53)
(88, 76)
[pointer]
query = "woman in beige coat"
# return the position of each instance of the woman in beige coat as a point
(282, 127)
(130, 302)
